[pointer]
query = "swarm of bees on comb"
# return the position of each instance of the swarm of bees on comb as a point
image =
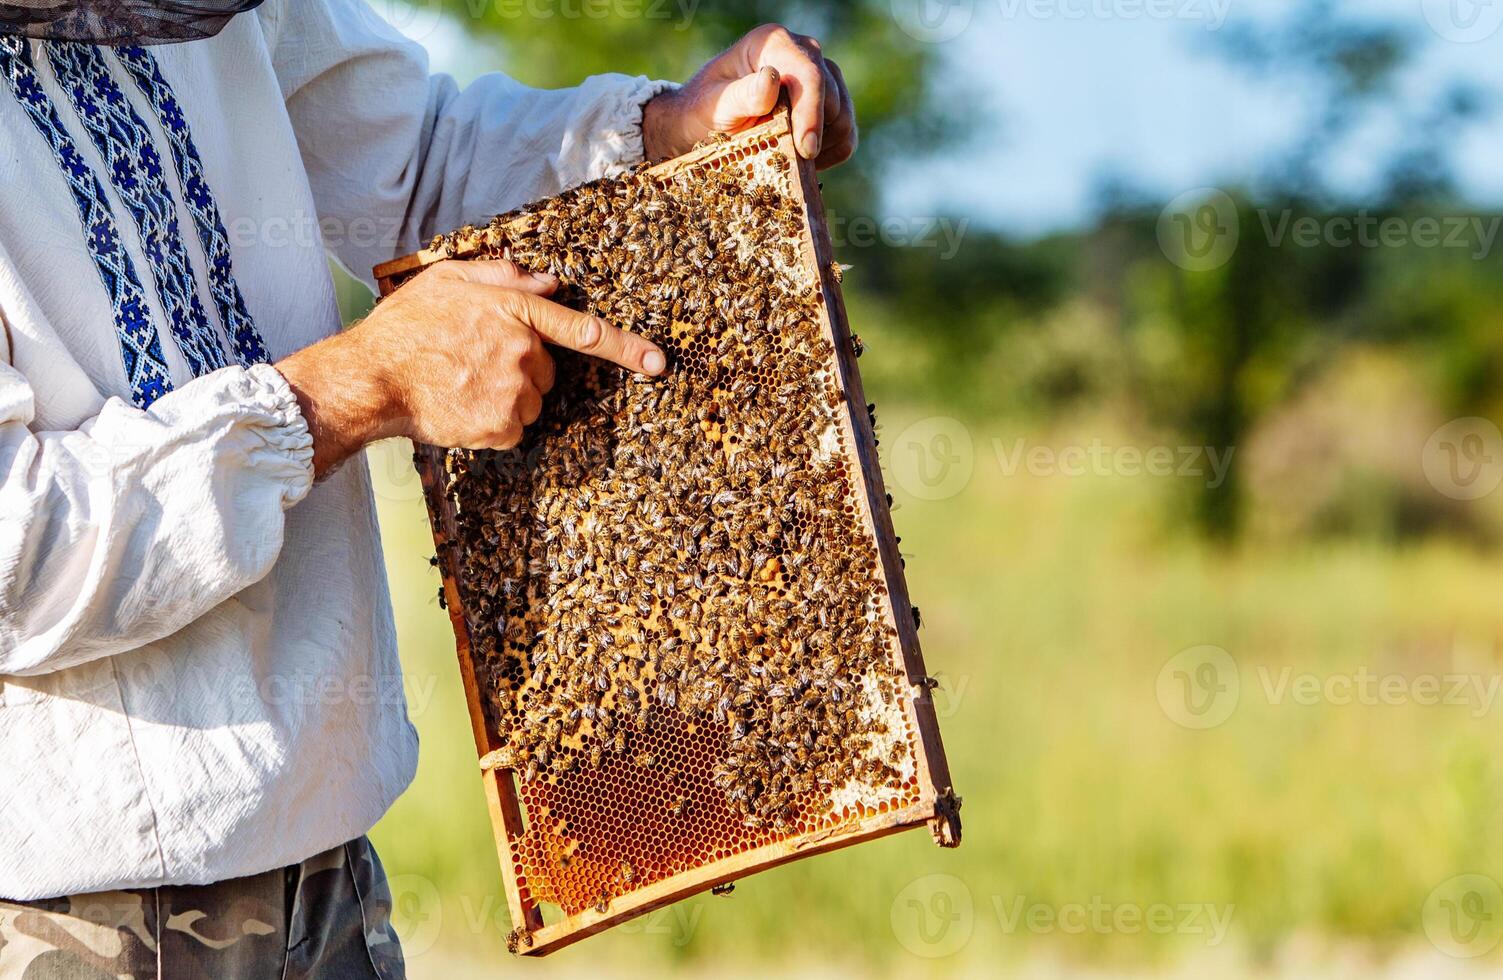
(675, 606)
(684, 544)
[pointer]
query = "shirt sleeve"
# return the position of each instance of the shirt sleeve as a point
(135, 524)
(396, 155)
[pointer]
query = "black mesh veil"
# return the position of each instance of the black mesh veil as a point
(115, 22)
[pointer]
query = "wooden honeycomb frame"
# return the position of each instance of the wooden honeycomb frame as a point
(930, 803)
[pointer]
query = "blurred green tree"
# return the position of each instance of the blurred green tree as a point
(1249, 331)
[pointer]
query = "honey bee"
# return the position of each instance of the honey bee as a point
(503, 758)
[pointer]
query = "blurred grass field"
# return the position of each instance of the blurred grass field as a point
(1314, 827)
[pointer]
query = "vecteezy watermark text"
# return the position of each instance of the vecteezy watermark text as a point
(941, 233)
(1201, 230)
(1366, 230)
(936, 21)
(1202, 686)
(1102, 917)
(680, 11)
(1211, 14)
(1096, 458)
(936, 916)
(1367, 687)
(935, 458)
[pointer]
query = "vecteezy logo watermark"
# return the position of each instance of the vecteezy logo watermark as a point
(934, 21)
(417, 912)
(418, 20)
(1199, 687)
(934, 916)
(1463, 459)
(1199, 230)
(1463, 916)
(1464, 21)
(933, 458)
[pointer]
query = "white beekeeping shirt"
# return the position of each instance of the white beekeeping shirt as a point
(198, 669)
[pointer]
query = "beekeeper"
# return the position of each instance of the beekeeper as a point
(188, 546)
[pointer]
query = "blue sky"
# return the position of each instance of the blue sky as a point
(1071, 91)
(1147, 99)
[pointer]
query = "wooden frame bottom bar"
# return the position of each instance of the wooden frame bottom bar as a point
(556, 936)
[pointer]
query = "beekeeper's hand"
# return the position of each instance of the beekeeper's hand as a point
(455, 357)
(739, 87)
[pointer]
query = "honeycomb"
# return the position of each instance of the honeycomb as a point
(676, 611)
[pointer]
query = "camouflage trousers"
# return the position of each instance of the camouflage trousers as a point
(327, 918)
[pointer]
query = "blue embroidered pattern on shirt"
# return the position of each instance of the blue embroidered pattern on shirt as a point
(135, 169)
(143, 69)
(140, 348)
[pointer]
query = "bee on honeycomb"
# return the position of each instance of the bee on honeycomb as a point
(668, 586)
